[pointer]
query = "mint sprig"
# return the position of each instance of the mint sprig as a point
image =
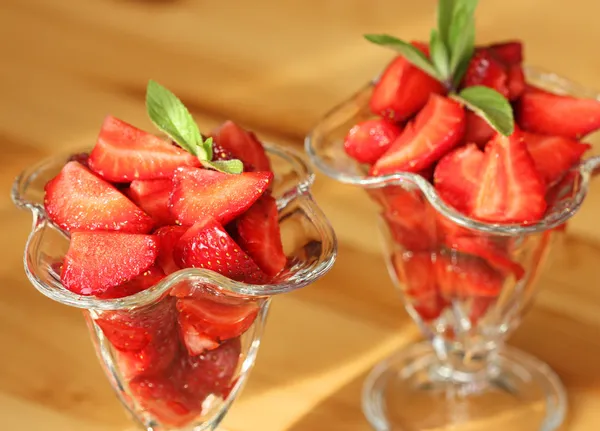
(171, 117)
(451, 47)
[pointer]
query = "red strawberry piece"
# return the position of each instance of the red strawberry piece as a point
(553, 155)
(510, 52)
(156, 357)
(436, 130)
(221, 153)
(124, 153)
(553, 114)
(153, 197)
(140, 283)
(82, 158)
(477, 130)
(212, 372)
(516, 81)
(134, 330)
(367, 141)
(402, 90)
(195, 341)
(97, 262)
(165, 400)
(480, 306)
(201, 193)
(76, 199)
(216, 318)
(168, 236)
(457, 177)
(511, 190)
(462, 276)
(416, 272)
(207, 245)
(259, 235)
(243, 145)
(484, 69)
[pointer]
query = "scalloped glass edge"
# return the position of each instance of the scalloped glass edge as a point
(299, 193)
(554, 218)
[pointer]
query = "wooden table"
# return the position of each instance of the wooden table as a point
(274, 66)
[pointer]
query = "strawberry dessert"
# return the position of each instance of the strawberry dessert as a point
(140, 207)
(493, 146)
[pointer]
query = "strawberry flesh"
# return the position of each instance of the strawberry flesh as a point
(461, 276)
(477, 130)
(243, 145)
(201, 193)
(259, 235)
(194, 341)
(484, 69)
(156, 357)
(366, 142)
(77, 200)
(140, 283)
(510, 52)
(153, 197)
(436, 130)
(98, 262)
(168, 237)
(124, 153)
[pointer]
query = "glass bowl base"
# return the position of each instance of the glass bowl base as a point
(410, 392)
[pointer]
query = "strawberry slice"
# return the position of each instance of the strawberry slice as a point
(76, 199)
(402, 90)
(553, 155)
(168, 237)
(97, 262)
(134, 330)
(201, 193)
(477, 130)
(195, 341)
(437, 129)
(221, 153)
(369, 140)
(484, 69)
(553, 114)
(218, 320)
(516, 82)
(510, 52)
(142, 282)
(259, 235)
(156, 357)
(153, 197)
(511, 190)
(243, 145)
(457, 177)
(462, 276)
(207, 245)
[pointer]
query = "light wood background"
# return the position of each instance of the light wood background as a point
(276, 67)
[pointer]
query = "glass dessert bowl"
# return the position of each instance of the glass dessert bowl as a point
(171, 374)
(465, 282)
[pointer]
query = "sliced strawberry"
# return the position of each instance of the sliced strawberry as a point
(510, 52)
(243, 145)
(462, 276)
(477, 130)
(156, 357)
(479, 308)
(553, 155)
(195, 341)
(216, 318)
(153, 197)
(221, 153)
(207, 245)
(76, 199)
(124, 153)
(516, 81)
(97, 262)
(259, 235)
(201, 193)
(458, 175)
(511, 190)
(402, 90)
(134, 330)
(168, 236)
(82, 158)
(484, 69)
(142, 282)
(437, 129)
(553, 114)
(367, 141)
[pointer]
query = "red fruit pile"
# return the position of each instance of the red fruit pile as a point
(140, 208)
(417, 128)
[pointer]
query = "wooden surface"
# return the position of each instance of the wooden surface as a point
(274, 66)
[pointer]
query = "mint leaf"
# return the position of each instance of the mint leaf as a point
(409, 52)
(171, 116)
(461, 39)
(233, 166)
(208, 148)
(445, 12)
(489, 105)
(439, 55)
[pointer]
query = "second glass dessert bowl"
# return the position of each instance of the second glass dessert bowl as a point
(467, 285)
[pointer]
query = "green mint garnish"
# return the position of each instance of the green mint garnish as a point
(451, 47)
(171, 117)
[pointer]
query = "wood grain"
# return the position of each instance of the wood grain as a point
(276, 67)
